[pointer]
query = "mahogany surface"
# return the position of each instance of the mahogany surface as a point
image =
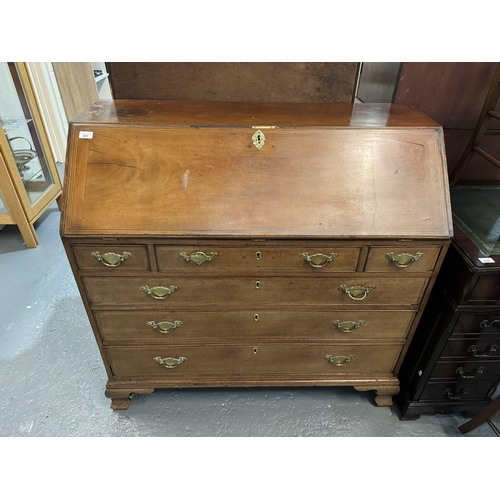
(209, 280)
(457, 343)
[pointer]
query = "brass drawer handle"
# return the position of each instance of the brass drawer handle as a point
(356, 292)
(449, 394)
(403, 259)
(339, 360)
(319, 259)
(111, 259)
(170, 362)
(487, 324)
(475, 354)
(348, 326)
(159, 292)
(461, 372)
(164, 326)
(198, 258)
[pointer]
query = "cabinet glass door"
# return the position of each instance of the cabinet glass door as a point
(22, 136)
(3, 208)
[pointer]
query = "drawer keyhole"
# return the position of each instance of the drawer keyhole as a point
(257, 284)
(255, 350)
(256, 317)
(258, 255)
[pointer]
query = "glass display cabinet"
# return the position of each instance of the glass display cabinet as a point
(29, 179)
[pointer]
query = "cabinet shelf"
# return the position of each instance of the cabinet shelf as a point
(10, 124)
(101, 77)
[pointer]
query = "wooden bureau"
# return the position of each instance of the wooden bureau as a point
(237, 244)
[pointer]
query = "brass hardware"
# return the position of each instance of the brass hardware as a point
(403, 259)
(348, 326)
(256, 317)
(461, 372)
(255, 350)
(475, 354)
(170, 362)
(487, 324)
(339, 360)
(159, 292)
(449, 394)
(356, 292)
(164, 326)
(319, 259)
(111, 259)
(258, 255)
(198, 257)
(257, 284)
(259, 139)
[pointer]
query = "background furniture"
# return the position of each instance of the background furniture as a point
(453, 363)
(233, 81)
(258, 244)
(484, 417)
(29, 179)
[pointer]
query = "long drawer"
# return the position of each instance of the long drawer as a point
(208, 259)
(458, 391)
(257, 359)
(361, 290)
(472, 348)
(180, 326)
(466, 370)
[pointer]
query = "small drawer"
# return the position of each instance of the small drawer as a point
(466, 370)
(174, 326)
(486, 291)
(252, 359)
(458, 391)
(209, 259)
(475, 349)
(402, 259)
(478, 323)
(254, 292)
(104, 257)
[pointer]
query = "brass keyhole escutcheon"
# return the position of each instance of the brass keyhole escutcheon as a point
(255, 350)
(256, 317)
(257, 285)
(258, 255)
(259, 139)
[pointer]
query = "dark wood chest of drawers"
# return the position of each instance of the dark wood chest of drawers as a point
(453, 363)
(231, 244)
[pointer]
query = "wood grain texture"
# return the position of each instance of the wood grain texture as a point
(307, 181)
(76, 85)
(235, 81)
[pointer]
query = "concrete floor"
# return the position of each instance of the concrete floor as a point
(53, 380)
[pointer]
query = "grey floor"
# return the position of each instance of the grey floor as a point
(52, 380)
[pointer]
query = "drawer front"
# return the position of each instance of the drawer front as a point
(270, 359)
(208, 259)
(478, 323)
(458, 391)
(402, 259)
(466, 370)
(472, 348)
(253, 292)
(170, 326)
(106, 257)
(487, 289)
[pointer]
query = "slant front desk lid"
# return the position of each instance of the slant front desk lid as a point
(191, 169)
